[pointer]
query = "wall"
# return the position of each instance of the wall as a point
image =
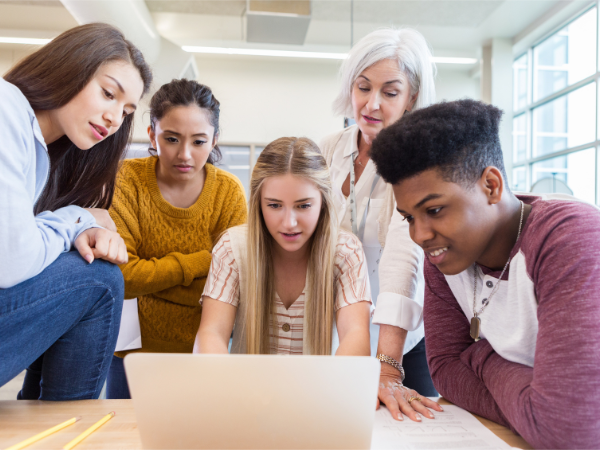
(455, 84)
(266, 98)
(9, 56)
(263, 99)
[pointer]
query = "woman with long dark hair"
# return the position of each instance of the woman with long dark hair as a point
(66, 115)
(170, 209)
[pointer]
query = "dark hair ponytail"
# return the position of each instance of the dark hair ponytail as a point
(49, 79)
(184, 93)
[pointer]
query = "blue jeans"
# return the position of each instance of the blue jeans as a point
(61, 325)
(116, 383)
(417, 371)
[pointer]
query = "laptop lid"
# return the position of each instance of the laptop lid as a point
(253, 401)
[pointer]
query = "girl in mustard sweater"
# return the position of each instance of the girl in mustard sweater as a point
(170, 209)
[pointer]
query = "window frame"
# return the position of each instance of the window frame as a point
(528, 109)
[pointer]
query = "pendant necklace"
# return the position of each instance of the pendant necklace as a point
(476, 321)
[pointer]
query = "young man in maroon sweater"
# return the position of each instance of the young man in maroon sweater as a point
(512, 307)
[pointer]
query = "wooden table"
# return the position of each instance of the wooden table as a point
(20, 420)
(502, 432)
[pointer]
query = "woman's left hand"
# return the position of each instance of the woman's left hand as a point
(98, 243)
(399, 399)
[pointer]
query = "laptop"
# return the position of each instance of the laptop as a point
(253, 401)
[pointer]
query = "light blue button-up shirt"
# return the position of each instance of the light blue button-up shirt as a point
(28, 243)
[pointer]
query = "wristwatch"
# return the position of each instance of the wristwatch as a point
(392, 362)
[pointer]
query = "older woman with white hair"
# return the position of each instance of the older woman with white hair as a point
(388, 73)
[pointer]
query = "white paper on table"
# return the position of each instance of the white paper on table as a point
(454, 428)
(130, 336)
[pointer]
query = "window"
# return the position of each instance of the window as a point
(239, 160)
(137, 150)
(520, 179)
(520, 68)
(236, 160)
(555, 141)
(566, 122)
(566, 57)
(520, 138)
(577, 170)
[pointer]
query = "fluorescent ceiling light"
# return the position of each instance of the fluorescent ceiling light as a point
(262, 52)
(296, 54)
(18, 40)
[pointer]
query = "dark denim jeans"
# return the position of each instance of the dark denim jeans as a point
(116, 383)
(61, 325)
(417, 371)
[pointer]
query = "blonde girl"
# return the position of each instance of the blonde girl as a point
(284, 279)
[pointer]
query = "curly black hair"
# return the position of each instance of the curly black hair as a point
(458, 138)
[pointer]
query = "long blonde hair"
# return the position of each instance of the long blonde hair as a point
(300, 157)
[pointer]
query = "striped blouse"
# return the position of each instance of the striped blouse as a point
(351, 277)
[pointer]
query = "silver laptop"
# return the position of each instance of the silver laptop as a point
(253, 401)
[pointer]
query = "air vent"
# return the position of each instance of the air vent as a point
(277, 22)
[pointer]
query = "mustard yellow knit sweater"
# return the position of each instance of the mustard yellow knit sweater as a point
(170, 249)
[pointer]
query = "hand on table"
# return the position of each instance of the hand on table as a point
(102, 218)
(396, 398)
(102, 244)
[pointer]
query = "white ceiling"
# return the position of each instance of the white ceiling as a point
(453, 27)
(35, 16)
(457, 28)
(466, 13)
(430, 12)
(209, 7)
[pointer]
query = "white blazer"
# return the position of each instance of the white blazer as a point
(395, 269)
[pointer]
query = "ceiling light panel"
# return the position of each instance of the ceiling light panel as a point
(263, 52)
(298, 54)
(20, 40)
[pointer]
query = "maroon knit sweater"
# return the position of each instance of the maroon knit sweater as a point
(555, 404)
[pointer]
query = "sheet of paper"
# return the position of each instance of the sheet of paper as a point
(454, 428)
(130, 336)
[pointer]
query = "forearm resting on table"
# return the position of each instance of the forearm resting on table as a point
(529, 397)
(216, 325)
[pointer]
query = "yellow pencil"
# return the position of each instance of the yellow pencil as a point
(43, 434)
(89, 431)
